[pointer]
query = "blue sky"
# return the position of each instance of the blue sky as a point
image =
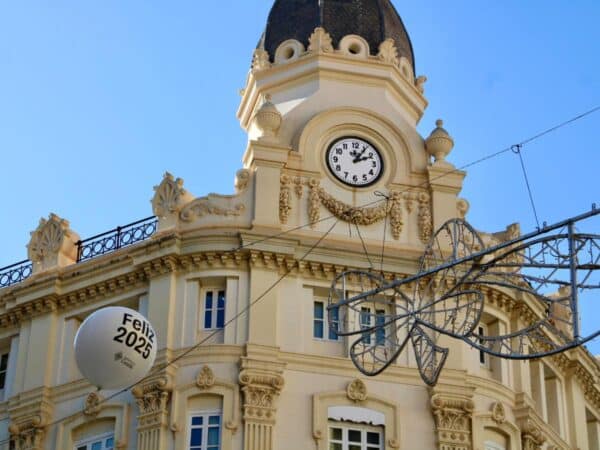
(99, 99)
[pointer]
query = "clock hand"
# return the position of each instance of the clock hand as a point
(358, 156)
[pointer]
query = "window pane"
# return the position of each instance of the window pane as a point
(372, 438)
(221, 300)
(213, 436)
(354, 447)
(110, 443)
(220, 318)
(97, 446)
(196, 436)
(354, 435)
(335, 433)
(208, 319)
(208, 304)
(214, 420)
(318, 329)
(318, 310)
(335, 446)
(197, 420)
(2, 379)
(332, 334)
(4, 361)
(83, 447)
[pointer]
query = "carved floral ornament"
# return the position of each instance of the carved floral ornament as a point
(205, 378)
(52, 237)
(453, 421)
(498, 413)
(28, 433)
(92, 405)
(320, 42)
(357, 391)
(392, 208)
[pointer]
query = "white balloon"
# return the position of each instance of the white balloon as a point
(115, 347)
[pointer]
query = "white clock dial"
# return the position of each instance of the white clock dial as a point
(354, 161)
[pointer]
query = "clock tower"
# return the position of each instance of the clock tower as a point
(331, 105)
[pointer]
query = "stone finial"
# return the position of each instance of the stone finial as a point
(268, 119)
(169, 198)
(439, 143)
(420, 83)
(53, 244)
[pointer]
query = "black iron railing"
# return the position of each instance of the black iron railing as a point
(89, 248)
(115, 239)
(15, 273)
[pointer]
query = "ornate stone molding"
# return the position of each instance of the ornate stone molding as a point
(260, 60)
(320, 41)
(532, 437)
(498, 413)
(169, 196)
(52, 244)
(28, 433)
(388, 52)
(242, 179)
(453, 421)
(284, 199)
(268, 119)
(93, 404)
(29, 414)
(205, 378)
(357, 391)
(152, 399)
(205, 207)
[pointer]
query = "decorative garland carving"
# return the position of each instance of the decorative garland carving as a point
(313, 202)
(205, 378)
(425, 218)
(343, 211)
(357, 391)
(204, 207)
(320, 41)
(395, 212)
(298, 187)
(453, 422)
(284, 199)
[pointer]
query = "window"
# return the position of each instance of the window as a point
(355, 437)
(491, 445)
(105, 442)
(214, 309)
(3, 369)
(366, 321)
(205, 431)
(321, 326)
(483, 360)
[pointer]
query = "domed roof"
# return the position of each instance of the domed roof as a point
(373, 20)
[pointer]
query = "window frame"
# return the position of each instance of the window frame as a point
(364, 429)
(327, 331)
(484, 358)
(88, 442)
(215, 323)
(4, 356)
(205, 414)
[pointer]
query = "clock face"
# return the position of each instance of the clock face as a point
(354, 161)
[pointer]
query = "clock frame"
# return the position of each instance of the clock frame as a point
(354, 161)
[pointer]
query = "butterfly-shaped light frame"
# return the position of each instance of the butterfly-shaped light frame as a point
(545, 271)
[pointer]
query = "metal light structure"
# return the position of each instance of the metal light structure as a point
(548, 269)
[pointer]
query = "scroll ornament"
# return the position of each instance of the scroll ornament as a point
(320, 41)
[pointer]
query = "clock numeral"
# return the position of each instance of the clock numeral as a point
(338, 168)
(335, 159)
(374, 164)
(364, 177)
(355, 145)
(355, 178)
(338, 151)
(371, 172)
(345, 148)
(345, 174)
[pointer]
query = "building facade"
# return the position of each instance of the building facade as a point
(335, 177)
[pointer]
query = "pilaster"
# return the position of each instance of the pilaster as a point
(453, 420)
(445, 183)
(153, 399)
(262, 381)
